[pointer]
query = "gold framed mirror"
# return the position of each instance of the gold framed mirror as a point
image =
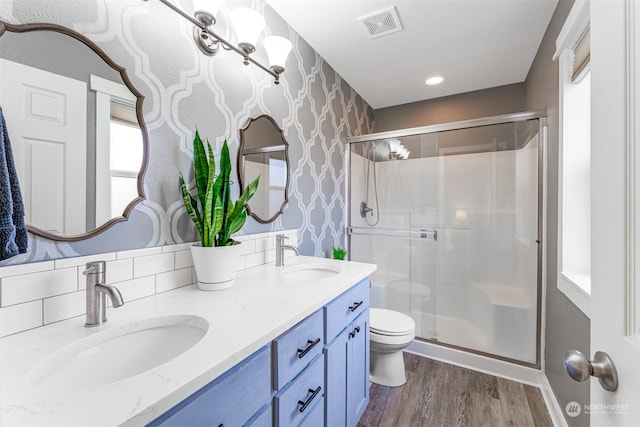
(75, 123)
(264, 152)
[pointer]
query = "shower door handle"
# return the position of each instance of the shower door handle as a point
(424, 234)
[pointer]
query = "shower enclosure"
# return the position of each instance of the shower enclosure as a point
(451, 214)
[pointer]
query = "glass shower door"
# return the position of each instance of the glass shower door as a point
(451, 219)
(389, 229)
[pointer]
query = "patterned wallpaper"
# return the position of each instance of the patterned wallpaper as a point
(185, 89)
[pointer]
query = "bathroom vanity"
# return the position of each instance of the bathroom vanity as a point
(285, 346)
(319, 371)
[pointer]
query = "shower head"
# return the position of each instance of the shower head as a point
(387, 149)
(379, 151)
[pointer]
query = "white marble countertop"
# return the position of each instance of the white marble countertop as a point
(262, 304)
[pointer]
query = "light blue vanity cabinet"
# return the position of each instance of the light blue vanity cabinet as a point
(314, 374)
(230, 400)
(347, 356)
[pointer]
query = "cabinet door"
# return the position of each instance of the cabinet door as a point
(347, 374)
(229, 400)
(336, 380)
(357, 368)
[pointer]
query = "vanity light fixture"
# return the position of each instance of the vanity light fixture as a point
(248, 25)
(205, 12)
(433, 81)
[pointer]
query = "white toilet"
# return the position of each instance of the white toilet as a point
(390, 332)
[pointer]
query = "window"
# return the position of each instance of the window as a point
(124, 162)
(119, 149)
(574, 173)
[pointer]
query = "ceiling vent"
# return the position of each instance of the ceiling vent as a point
(381, 23)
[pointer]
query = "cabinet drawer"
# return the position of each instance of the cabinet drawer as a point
(342, 310)
(262, 418)
(316, 417)
(229, 400)
(296, 348)
(299, 398)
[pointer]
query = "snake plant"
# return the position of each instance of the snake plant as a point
(339, 252)
(218, 217)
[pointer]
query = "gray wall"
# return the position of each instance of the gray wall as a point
(566, 326)
(470, 105)
(185, 89)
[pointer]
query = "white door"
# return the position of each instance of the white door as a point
(615, 231)
(46, 118)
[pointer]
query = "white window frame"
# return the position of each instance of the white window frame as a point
(105, 90)
(574, 27)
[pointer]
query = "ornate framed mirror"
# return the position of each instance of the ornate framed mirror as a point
(75, 123)
(264, 152)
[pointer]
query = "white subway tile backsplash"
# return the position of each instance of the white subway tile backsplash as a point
(148, 265)
(178, 247)
(64, 306)
(266, 243)
(119, 271)
(173, 279)
(21, 317)
(269, 256)
(292, 238)
(41, 293)
(251, 236)
(183, 259)
(81, 261)
(137, 288)
(254, 259)
(20, 269)
(138, 253)
(242, 262)
(33, 286)
(247, 247)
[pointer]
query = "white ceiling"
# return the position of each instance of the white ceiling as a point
(473, 44)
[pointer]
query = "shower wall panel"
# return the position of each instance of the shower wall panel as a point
(476, 286)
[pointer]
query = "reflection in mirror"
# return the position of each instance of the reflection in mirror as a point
(75, 125)
(264, 152)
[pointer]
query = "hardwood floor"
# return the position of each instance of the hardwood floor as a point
(437, 394)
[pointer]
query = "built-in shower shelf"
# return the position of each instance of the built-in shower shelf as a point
(505, 296)
(383, 278)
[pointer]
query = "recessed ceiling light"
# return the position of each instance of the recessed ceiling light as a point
(435, 80)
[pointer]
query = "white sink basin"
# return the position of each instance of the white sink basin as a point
(311, 271)
(118, 352)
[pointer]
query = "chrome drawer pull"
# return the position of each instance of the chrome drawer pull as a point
(310, 344)
(355, 306)
(306, 403)
(355, 331)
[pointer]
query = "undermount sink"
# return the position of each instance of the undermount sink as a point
(118, 352)
(311, 271)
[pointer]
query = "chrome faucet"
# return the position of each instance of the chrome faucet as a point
(97, 291)
(280, 248)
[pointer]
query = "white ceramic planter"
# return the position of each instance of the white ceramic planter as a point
(216, 267)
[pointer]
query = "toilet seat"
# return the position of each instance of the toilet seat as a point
(390, 323)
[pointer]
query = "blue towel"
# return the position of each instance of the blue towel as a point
(13, 232)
